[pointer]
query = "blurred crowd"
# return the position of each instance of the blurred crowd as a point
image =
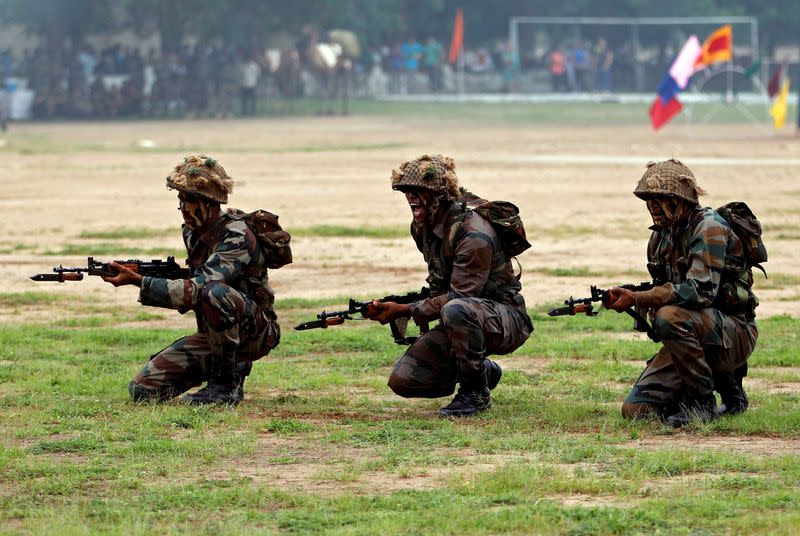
(121, 82)
(215, 79)
(413, 66)
(582, 67)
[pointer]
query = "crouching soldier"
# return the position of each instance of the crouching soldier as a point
(227, 288)
(704, 312)
(475, 295)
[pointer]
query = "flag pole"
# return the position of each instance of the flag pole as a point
(461, 71)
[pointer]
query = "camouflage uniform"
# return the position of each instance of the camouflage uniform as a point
(474, 295)
(701, 311)
(230, 295)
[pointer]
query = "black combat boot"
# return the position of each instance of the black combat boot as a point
(493, 373)
(730, 388)
(703, 409)
(472, 398)
(227, 387)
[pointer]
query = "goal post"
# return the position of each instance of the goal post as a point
(635, 24)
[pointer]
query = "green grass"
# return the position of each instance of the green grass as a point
(322, 446)
(111, 249)
(121, 233)
(347, 232)
(578, 271)
(775, 280)
(28, 298)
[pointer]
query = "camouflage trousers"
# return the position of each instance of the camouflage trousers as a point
(453, 352)
(696, 343)
(232, 328)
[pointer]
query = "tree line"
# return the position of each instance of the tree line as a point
(251, 23)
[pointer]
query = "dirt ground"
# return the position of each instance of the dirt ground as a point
(573, 186)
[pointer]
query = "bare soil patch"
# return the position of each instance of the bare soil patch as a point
(773, 387)
(329, 470)
(94, 178)
(594, 501)
(760, 446)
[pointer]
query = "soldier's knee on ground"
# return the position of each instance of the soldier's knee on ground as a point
(399, 385)
(407, 387)
(141, 393)
(638, 410)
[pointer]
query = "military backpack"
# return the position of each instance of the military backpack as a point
(273, 240)
(504, 217)
(747, 228)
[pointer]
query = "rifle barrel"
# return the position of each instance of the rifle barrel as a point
(59, 277)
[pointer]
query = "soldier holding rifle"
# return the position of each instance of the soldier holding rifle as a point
(704, 312)
(227, 288)
(474, 294)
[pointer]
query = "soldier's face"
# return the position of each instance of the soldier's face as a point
(664, 210)
(418, 205)
(194, 210)
(656, 212)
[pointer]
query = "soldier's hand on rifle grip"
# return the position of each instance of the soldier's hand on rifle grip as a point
(125, 276)
(385, 312)
(620, 299)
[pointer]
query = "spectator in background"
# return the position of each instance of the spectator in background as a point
(412, 54)
(558, 70)
(605, 59)
(6, 70)
(250, 72)
(569, 69)
(582, 64)
(478, 61)
(510, 62)
(149, 77)
(797, 130)
(433, 57)
(395, 68)
(88, 60)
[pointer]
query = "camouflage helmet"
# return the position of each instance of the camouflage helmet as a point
(670, 178)
(202, 176)
(431, 172)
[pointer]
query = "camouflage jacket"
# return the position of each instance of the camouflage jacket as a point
(693, 260)
(465, 260)
(227, 252)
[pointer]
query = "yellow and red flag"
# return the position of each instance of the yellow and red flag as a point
(778, 110)
(458, 37)
(718, 47)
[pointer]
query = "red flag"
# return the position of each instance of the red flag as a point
(660, 113)
(718, 47)
(458, 37)
(775, 82)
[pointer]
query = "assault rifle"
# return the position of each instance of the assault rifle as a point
(574, 306)
(398, 326)
(168, 269)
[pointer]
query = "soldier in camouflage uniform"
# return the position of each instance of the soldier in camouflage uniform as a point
(475, 295)
(703, 311)
(228, 291)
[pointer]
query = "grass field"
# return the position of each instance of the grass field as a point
(320, 444)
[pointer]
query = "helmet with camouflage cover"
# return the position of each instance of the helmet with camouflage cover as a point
(670, 178)
(431, 172)
(202, 176)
